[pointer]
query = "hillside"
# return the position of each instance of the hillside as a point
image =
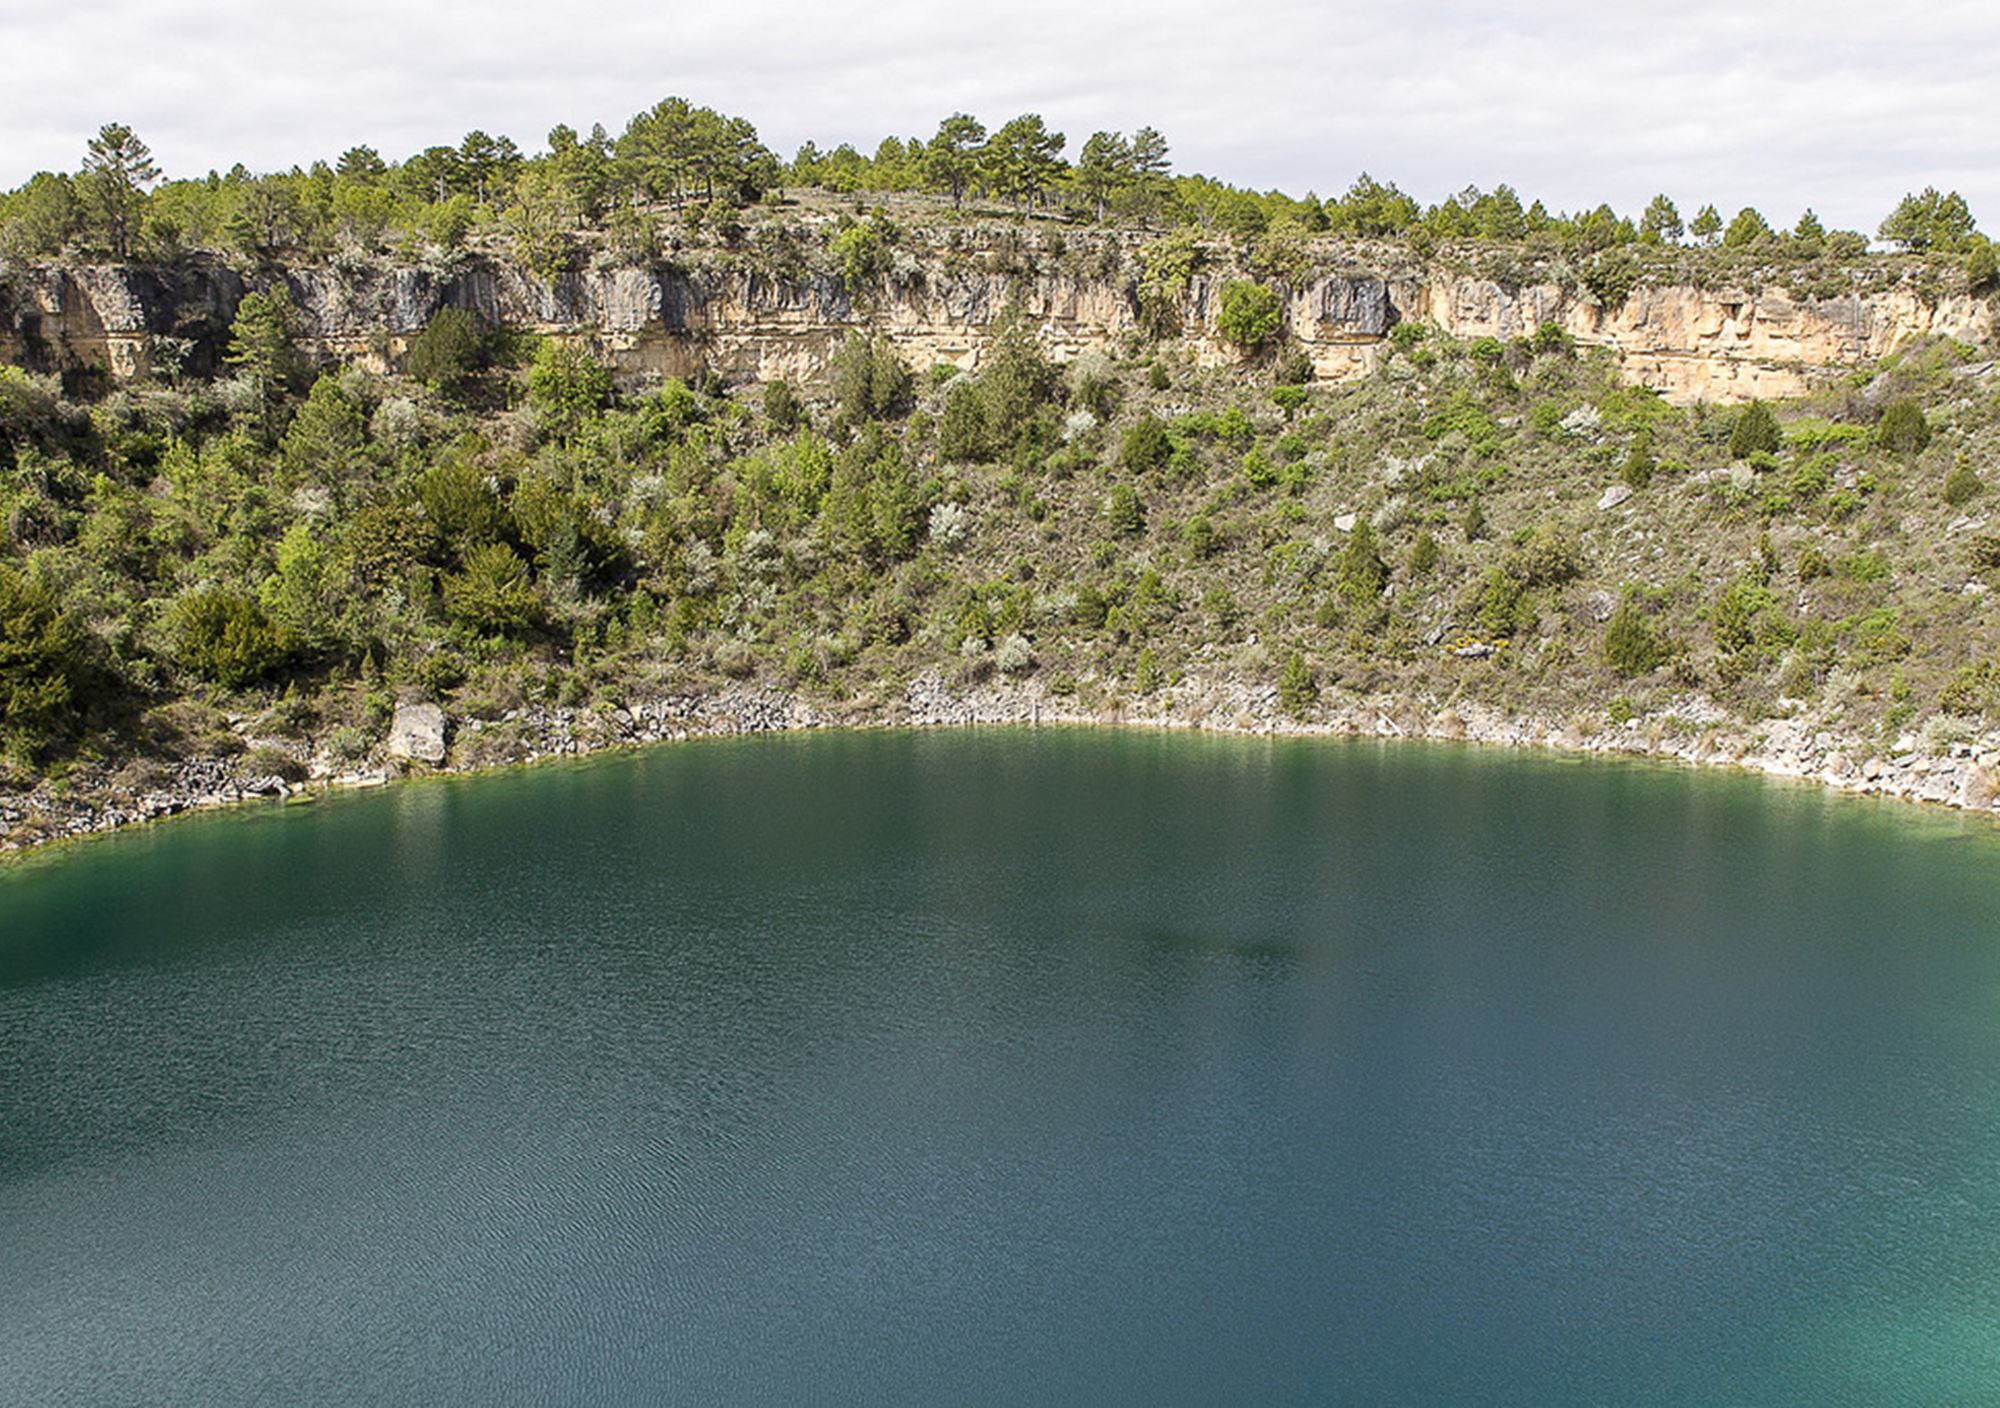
(255, 513)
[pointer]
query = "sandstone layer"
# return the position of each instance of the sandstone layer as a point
(1715, 344)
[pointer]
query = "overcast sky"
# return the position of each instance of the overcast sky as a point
(1779, 103)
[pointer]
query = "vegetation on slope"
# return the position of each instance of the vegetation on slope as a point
(292, 552)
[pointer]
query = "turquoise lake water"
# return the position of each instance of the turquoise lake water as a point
(1010, 1067)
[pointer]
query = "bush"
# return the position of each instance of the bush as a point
(1962, 485)
(1631, 646)
(1547, 557)
(1289, 399)
(1754, 432)
(493, 593)
(224, 636)
(41, 664)
(1015, 656)
(1298, 690)
(781, 407)
(1637, 471)
(859, 254)
(1145, 446)
(1551, 341)
(1123, 512)
(566, 387)
(1982, 269)
(1147, 675)
(869, 380)
(1475, 522)
(1362, 574)
(1250, 315)
(963, 435)
(1903, 429)
(455, 347)
(1423, 554)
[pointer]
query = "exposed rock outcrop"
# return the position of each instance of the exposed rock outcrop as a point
(1715, 344)
(416, 734)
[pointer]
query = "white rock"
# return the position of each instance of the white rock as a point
(1614, 496)
(417, 733)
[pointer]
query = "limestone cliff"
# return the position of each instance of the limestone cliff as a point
(1690, 343)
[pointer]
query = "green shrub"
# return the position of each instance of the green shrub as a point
(1503, 606)
(1962, 485)
(1475, 522)
(1733, 619)
(1982, 269)
(224, 636)
(1632, 646)
(1361, 575)
(781, 407)
(1869, 566)
(1298, 690)
(859, 255)
(1967, 691)
(1147, 675)
(1258, 470)
(1810, 478)
(451, 350)
(963, 434)
(1812, 433)
(1755, 431)
(1250, 315)
(1145, 445)
(1903, 429)
(870, 382)
(493, 594)
(567, 387)
(1289, 399)
(41, 665)
(1124, 514)
(1551, 341)
(1201, 536)
(1423, 554)
(1637, 470)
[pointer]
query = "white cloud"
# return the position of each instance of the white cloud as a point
(1780, 103)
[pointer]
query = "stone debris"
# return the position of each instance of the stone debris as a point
(1690, 729)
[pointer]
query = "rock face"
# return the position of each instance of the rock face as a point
(416, 734)
(1715, 344)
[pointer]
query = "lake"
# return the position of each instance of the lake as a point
(1010, 1067)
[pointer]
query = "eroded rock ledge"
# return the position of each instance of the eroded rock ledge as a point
(1717, 344)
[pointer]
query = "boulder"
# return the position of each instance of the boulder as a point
(1614, 496)
(417, 733)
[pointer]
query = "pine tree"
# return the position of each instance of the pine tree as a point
(116, 172)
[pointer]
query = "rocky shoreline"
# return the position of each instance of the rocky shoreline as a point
(1959, 771)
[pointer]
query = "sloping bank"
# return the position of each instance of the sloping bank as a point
(1961, 772)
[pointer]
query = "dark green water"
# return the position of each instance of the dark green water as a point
(1010, 1067)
